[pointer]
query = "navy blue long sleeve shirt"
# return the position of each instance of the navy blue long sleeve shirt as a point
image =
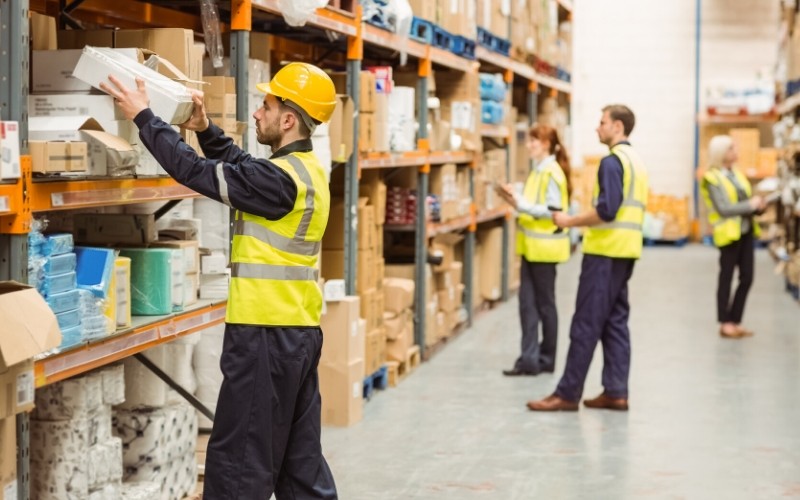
(256, 186)
(610, 182)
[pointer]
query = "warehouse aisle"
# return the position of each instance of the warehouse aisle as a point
(710, 417)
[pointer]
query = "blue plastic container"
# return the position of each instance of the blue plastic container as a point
(64, 301)
(491, 112)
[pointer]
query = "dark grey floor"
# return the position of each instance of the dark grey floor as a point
(710, 418)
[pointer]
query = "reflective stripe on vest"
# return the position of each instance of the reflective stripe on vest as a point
(223, 184)
(271, 272)
(622, 237)
(540, 240)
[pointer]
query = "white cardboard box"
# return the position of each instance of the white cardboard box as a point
(9, 150)
(101, 107)
(169, 99)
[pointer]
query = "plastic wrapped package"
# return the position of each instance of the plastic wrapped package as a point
(69, 319)
(64, 301)
(58, 243)
(59, 264)
(94, 327)
(112, 490)
(140, 490)
(78, 397)
(58, 283)
(113, 384)
(95, 267)
(492, 112)
(36, 264)
(70, 337)
(297, 12)
(142, 388)
(207, 371)
(210, 17)
(151, 280)
(122, 293)
(105, 463)
(59, 455)
(216, 224)
(155, 436)
(100, 426)
(492, 87)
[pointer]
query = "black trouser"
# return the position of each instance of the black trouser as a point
(737, 254)
(537, 303)
(266, 435)
(601, 314)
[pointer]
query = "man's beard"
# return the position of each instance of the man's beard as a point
(271, 136)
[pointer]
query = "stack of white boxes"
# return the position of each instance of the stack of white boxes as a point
(73, 453)
(158, 428)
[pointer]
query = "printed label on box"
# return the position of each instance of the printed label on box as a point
(357, 389)
(25, 388)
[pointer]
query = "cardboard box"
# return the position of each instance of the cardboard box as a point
(373, 188)
(332, 264)
(342, 391)
(78, 39)
(57, 156)
(444, 245)
(366, 132)
(375, 351)
(341, 129)
(169, 99)
(126, 229)
(365, 270)
(448, 299)
(101, 107)
(191, 253)
(367, 307)
(424, 9)
(8, 458)
(29, 328)
(344, 340)
(367, 89)
(108, 154)
(43, 34)
(366, 225)
(381, 131)
(333, 238)
(51, 70)
(398, 294)
(173, 44)
(220, 101)
(490, 245)
(9, 150)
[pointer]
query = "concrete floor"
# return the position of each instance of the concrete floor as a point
(710, 418)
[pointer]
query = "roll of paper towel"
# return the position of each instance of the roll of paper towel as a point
(206, 358)
(140, 490)
(73, 398)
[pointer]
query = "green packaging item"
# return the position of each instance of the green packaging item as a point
(154, 289)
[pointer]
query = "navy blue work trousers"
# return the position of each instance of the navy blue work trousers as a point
(266, 434)
(601, 314)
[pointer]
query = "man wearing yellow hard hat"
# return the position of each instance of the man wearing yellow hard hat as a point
(266, 435)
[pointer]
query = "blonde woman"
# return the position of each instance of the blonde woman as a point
(731, 206)
(542, 246)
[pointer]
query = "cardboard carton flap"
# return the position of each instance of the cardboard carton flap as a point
(29, 326)
(157, 62)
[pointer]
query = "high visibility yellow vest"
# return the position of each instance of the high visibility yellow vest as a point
(726, 229)
(540, 240)
(274, 275)
(622, 237)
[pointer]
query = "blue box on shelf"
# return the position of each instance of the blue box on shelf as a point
(95, 268)
(69, 319)
(58, 243)
(57, 283)
(64, 301)
(59, 264)
(71, 337)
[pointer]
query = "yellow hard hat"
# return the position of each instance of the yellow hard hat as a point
(305, 85)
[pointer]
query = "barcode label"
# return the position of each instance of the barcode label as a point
(10, 491)
(5, 205)
(25, 388)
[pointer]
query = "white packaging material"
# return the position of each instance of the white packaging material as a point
(140, 490)
(180, 369)
(73, 398)
(113, 384)
(101, 107)
(216, 220)
(190, 229)
(51, 70)
(334, 290)
(105, 463)
(156, 436)
(147, 165)
(215, 286)
(177, 267)
(9, 150)
(321, 143)
(99, 425)
(59, 459)
(207, 354)
(401, 119)
(142, 388)
(176, 479)
(108, 491)
(169, 100)
(216, 263)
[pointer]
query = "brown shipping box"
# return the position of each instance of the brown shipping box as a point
(58, 156)
(29, 328)
(397, 347)
(332, 264)
(173, 44)
(398, 294)
(333, 239)
(344, 341)
(444, 245)
(490, 245)
(376, 350)
(341, 129)
(341, 388)
(129, 229)
(8, 456)
(366, 132)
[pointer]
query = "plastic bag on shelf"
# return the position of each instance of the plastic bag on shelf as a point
(297, 12)
(210, 15)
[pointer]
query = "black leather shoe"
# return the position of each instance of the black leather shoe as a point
(519, 373)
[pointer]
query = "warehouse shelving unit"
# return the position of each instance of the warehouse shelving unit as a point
(22, 198)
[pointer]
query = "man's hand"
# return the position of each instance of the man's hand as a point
(507, 193)
(562, 220)
(131, 102)
(758, 203)
(198, 122)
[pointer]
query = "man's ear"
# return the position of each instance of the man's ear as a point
(287, 120)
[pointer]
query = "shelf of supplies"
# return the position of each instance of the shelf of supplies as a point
(71, 194)
(457, 157)
(8, 192)
(450, 60)
(388, 40)
(553, 83)
(737, 119)
(451, 226)
(493, 214)
(496, 131)
(504, 62)
(322, 18)
(789, 104)
(393, 160)
(147, 332)
(400, 228)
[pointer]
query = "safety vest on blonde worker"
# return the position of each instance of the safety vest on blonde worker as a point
(726, 229)
(274, 272)
(622, 237)
(540, 240)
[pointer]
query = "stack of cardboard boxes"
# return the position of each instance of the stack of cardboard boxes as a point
(450, 185)
(398, 317)
(447, 279)
(672, 214)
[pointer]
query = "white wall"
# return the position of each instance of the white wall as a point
(642, 53)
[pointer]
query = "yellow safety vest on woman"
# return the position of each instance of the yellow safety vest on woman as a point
(726, 229)
(274, 275)
(539, 240)
(622, 237)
